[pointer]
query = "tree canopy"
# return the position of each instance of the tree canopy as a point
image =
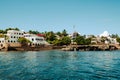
(118, 39)
(50, 36)
(33, 32)
(23, 40)
(64, 33)
(81, 40)
(5, 31)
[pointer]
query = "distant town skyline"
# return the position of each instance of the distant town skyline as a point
(88, 16)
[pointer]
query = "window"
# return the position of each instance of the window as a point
(0, 41)
(14, 36)
(11, 36)
(11, 41)
(32, 39)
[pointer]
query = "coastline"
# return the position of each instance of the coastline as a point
(104, 47)
(64, 48)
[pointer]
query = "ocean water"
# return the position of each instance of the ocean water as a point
(60, 65)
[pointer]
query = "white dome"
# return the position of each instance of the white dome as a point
(105, 34)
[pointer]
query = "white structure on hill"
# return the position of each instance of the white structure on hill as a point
(11, 38)
(109, 40)
(37, 40)
(14, 35)
(74, 35)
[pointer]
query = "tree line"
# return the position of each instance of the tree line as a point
(61, 38)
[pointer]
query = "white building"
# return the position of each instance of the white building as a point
(109, 39)
(35, 39)
(14, 35)
(2, 41)
(74, 35)
(11, 38)
(113, 41)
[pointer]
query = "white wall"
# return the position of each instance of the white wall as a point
(14, 36)
(35, 39)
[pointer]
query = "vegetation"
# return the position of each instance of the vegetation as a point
(5, 31)
(118, 39)
(33, 32)
(88, 41)
(64, 33)
(103, 39)
(81, 40)
(66, 40)
(60, 38)
(23, 40)
(2, 31)
(114, 36)
(50, 36)
(2, 35)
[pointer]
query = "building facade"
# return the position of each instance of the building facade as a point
(14, 35)
(34, 39)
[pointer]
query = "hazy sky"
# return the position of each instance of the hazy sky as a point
(88, 16)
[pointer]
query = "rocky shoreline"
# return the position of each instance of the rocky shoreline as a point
(26, 48)
(64, 48)
(91, 48)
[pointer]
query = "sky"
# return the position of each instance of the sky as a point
(87, 16)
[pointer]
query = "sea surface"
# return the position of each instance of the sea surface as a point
(60, 65)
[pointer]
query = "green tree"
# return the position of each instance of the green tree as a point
(103, 39)
(23, 40)
(33, 32)
(66, 40)
(118, 39)
(114, 36)
(87, 41)
(80, 40)
(59, 34)
(2, 31)
(10, 29)
(50, 36)
(57, 42)
(64, 33)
